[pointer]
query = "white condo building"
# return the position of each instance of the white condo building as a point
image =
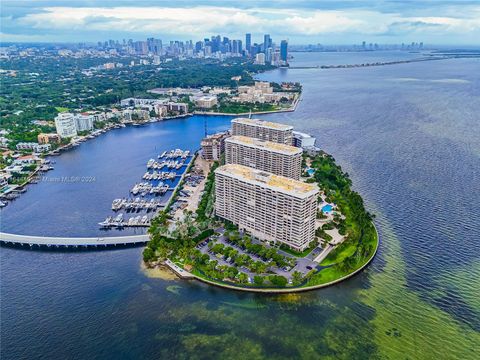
(270, 207)
(264, 130)
(65, 125)
(276, 158)
(83, 122)
(303, 140)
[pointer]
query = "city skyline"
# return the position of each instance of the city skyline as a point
(346, 22)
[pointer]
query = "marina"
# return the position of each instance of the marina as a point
(136, 204)
(146, 188)
(157, 175)
(170, 164)
(120, 222)
(149, 195)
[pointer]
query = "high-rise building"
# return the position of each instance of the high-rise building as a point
(279, 159)
(284, 51)
(213, 146)
(264, 130)
(248, 42)
(140, 47)
(83, 122)
(269, 55)
(268, 206)
(267, 42)
(237, 46)
(65, 125)
(260, 59)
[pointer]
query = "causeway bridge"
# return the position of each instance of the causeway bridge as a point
(72, 242)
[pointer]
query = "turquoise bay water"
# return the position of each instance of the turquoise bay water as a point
(407, 135)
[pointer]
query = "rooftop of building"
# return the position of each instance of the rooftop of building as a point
(276, 182)
(213, 138)
(262, 123)
(263, 144)
(301, 134)
(206, 97)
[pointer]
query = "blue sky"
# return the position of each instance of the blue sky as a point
(302, 22)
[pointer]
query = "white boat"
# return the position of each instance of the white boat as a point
(150, 163)
(107, 222)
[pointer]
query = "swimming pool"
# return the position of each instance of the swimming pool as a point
(311, 172)
(327, 209)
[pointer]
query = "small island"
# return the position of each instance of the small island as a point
(200, 235)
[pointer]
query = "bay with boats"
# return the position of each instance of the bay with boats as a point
(154, 192)
(408, 138)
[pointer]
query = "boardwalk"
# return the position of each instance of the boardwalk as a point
(72, 241)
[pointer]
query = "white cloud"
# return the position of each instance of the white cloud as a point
(203, 20)
(140, 19)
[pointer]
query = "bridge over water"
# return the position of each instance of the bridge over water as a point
(74, 242)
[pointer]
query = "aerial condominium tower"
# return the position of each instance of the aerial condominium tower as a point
(264, 130)
(279, 159)
(65, 125)
(268, 206)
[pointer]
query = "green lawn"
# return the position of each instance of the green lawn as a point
(296, 253)
(61, 109)
(335, 272)
(339, 254)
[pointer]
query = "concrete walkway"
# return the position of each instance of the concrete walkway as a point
(323, 254)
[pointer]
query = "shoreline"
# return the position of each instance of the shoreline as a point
(113, 126)
(57, 152)
(189, 275)
(292, 108)
(383, 63)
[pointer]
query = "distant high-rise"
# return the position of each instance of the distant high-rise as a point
(269, 55)
(267, 42)
(248, 42)
(237, 46)
(284, 51)
(260, 59)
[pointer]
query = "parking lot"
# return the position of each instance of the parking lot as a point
(303, 265)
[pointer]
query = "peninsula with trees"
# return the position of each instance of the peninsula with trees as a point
(267, 216)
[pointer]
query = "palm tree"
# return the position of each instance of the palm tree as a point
(183, 253)
(297, 278)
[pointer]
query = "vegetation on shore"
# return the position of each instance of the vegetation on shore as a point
(361, 237)
(238, 108)
(43, 87)
(180, 244)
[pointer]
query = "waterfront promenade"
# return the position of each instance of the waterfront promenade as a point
(74, 242)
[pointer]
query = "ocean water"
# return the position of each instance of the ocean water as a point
(408, 135)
